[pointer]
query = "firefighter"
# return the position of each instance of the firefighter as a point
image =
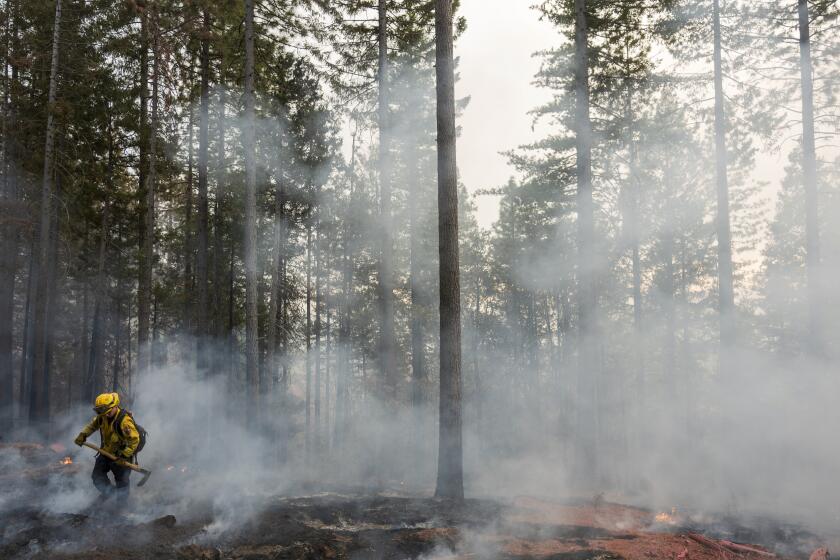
(120, 437)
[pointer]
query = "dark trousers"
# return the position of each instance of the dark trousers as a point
(103, 483)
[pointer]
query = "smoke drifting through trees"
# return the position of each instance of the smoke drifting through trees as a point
(248, 199)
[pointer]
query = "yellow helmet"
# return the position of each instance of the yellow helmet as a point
(106, 402)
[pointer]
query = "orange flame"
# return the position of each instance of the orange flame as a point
(667, 518)
(66, 461)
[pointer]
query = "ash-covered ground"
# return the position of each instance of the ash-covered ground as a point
(46, 513)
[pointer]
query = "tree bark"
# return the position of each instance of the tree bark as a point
(144, 284)
(726, 293)
(8, 231)
(188, 232)
(809, 177)
(249, 144)
(118, 324)
(318, 296)
(327, 351)
(96, 365)
(96, 362)
(308, 435)
(218, 219)
(153, 356)
(450, 478)
(26, 355)
(203, 219)
(39, 402)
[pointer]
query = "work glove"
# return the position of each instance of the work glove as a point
(80, 439)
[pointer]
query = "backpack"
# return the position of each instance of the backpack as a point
(140, 429)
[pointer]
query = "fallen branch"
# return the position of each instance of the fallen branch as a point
(714, 545)
(729, 545)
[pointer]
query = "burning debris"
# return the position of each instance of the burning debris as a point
(667, 518)
(25, 462)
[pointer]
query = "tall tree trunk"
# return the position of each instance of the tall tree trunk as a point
(26, 355)
(476, 343)
(203, 211)
(232, 372)
(724, 237)
(284, 339)
(218, 218)
(278, 244)
(327, 349)
(387, 343)
(188, 231)
(9, 232)
(144, 283)
(49, 304)
(318, 296)
(308, 435)
(450, 478)
(588, 368)
(96, 362)
(39, 402)
(809, 177)
(81, 371)
(249, 144)
(118, 331)
(95, 365)
(151, 195)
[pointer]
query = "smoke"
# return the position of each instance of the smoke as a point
(756, 438)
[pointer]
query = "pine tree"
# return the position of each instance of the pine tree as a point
(450, 479)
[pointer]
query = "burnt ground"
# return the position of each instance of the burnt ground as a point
(354, 525)
(373, 527)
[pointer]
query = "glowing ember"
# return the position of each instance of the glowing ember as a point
(66, 461)
(667, 518)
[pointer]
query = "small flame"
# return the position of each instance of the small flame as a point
(66, 461)
(667, 518)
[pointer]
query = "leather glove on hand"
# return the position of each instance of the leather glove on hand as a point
(80, 439)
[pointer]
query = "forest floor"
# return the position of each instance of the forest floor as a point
(355, 525)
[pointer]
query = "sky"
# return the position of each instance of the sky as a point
(496, 68)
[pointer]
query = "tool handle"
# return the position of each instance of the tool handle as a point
(113, 457)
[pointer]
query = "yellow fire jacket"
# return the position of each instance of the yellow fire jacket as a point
(112, 442)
